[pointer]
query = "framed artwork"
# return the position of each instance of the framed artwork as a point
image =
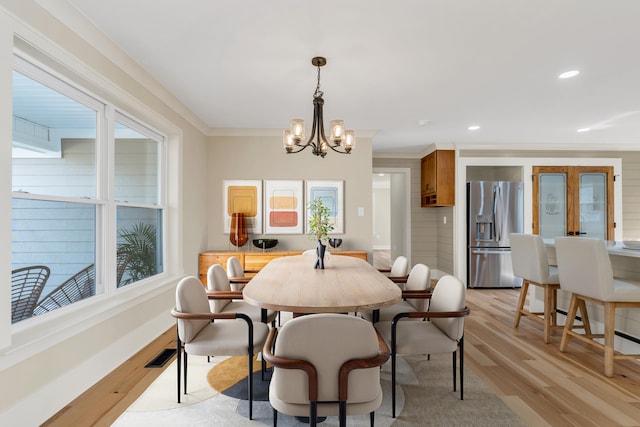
(243, 196)
(332, 195)
(283, 207)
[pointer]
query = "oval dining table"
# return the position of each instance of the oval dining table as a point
(346, 284)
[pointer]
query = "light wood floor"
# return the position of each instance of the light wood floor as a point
(542, 385)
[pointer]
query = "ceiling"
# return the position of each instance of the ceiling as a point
(409, 73)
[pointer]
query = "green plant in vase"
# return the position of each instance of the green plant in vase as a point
(319, 228)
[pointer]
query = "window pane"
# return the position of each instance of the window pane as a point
(136, 166)
(53, 142)
(62, 237)
(552, 204)
(593, 205)
(140, 236)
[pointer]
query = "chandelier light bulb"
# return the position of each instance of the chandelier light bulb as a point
(297, 130)
(337, 131)
(349, 140)
(287, 140)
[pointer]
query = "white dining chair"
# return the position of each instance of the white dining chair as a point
(218, 281)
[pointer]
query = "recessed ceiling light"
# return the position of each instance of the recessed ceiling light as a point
(380, 174)
(583, 130)
(422, 122)
(569, 74)
(474, 127)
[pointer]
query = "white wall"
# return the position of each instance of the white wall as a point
(381, 218)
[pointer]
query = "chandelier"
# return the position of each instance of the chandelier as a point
(340, 140)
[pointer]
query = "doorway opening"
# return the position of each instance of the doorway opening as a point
(391, 215)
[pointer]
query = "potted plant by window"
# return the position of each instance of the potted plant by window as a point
(319, 228)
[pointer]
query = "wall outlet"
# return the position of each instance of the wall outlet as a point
(444, 219)
(360, 211)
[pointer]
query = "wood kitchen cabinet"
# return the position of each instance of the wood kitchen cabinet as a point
(253, 261)
(438, 179)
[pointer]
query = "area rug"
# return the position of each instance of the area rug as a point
(229, 377)
(425, 398)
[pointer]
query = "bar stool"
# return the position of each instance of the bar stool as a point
(529, 260)
(585, 271)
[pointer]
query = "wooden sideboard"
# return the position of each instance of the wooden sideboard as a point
(253, 261)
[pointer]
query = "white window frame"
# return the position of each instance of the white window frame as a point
(107, 115)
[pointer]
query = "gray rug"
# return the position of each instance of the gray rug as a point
(425, 398)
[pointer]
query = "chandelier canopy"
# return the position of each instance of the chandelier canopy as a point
(340, 140)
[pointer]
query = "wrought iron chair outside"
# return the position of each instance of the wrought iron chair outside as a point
(122, 260)
(27, 284)
(78, 287)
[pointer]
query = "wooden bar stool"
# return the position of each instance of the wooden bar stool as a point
(585, 271)
(529, 260)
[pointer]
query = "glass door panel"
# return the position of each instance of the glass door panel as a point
(593, 209)
(552, 208)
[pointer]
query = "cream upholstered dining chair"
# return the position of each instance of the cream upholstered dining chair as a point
(218, 281)
(443, 333)
(399, 270)
(203, 333)
(236, 274)
(585, 271)
(325, 365)
(415, 294)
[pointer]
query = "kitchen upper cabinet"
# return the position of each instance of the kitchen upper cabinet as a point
(573, 201)
(438, 179)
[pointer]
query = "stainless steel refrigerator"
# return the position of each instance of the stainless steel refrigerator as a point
(495, 209)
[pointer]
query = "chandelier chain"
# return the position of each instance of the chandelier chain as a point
(318, 93)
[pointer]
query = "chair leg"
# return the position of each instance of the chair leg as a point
(454, 368)
(548, 308)
(554, 306)
(521, 300)
(250, 379)
(178, 361)
(393, 385)
(609, 335)
(313, 414)
(275, 418)
(372, 418)
(568, 326)
(184, 368)
(342, 415)
(585, 317)
(462, 368)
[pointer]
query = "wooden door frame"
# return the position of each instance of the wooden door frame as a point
(572, 202)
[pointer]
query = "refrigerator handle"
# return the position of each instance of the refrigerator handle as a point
(496, 213)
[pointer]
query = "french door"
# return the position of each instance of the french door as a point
(573, 201)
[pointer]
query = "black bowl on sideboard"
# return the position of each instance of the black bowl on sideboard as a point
(335, 242)
(265, 243)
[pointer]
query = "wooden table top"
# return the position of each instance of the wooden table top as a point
(346, 284)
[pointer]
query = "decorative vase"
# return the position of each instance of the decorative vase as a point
(238, 233)
(320, 249)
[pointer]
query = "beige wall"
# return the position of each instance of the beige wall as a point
(262, 158)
